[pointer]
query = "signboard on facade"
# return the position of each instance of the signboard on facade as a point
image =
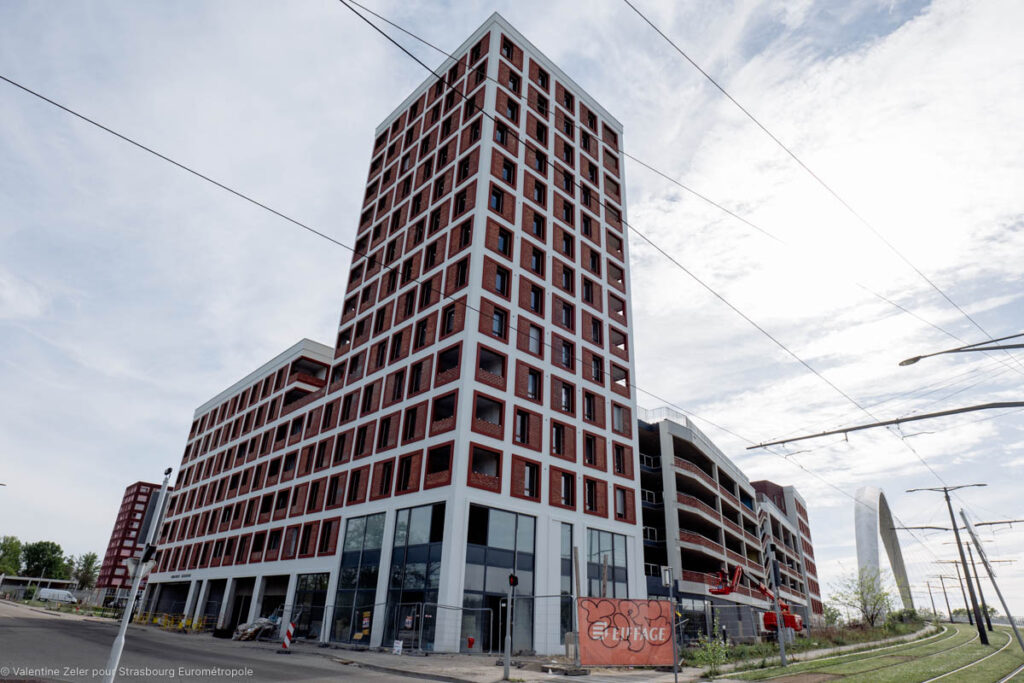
(625, 632)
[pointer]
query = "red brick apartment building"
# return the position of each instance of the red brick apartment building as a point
(113, 579)
(475, 416)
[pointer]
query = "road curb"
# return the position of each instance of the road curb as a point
(403, 672)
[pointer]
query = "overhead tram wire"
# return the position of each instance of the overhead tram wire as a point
(815, 176)
(914, 395)
(451, 88)
(304, 226)
(318, 233)
(514, 134)
(339, 243)
(551, 115)
(310, 229)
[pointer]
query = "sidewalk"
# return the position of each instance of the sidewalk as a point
(458, 668)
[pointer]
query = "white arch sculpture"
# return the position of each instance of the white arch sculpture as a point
(871, 516)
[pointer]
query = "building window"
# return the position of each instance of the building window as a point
(537, 226)
(499, 324)
(522, 427)
(620, 503)
(618, 418)
(415, 569)
(536, 339)
(448, 319)
(505, 242)
(357, 581)
(619, 458)
(533, 383)
(501, 279)
(488, 410)
(568, 490)
(557, 438)
(607, 564)
(492, 363)
(537, 300)
(566, 397)
(590, 495)
(498, 543)
(485, 462)
(497, 199)
(531, 480)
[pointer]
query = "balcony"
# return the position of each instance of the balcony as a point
(652, 535)
(650, 463)
(305, 378)
(689, 467)
(651, 499)
(698, 505)
(703, 541)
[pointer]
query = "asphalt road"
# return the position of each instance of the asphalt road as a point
(37, 646)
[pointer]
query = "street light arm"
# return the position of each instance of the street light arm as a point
(978, 346)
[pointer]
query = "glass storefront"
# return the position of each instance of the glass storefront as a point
(310, 597)
(498, 543)
(415, 576)
(606, 564)
(357, 582)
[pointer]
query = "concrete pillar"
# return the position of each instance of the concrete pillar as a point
(383, 576)
(257, 599)
(152, 594)
(190, 599)
(332, 592)
(203, 594)
(229, 597)
(288, 609)
(448, 629)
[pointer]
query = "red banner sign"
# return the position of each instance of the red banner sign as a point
(625, 632)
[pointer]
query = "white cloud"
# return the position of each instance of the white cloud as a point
(131, 292)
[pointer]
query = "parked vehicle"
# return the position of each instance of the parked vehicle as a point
(56, 595)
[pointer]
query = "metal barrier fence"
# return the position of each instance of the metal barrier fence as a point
(738, 623)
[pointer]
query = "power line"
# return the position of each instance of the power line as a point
(526, 143)
(333, 240)
(814, 175)
(551, 115)
(649, 241)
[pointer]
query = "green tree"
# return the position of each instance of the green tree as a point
(44, 558)
(10, 555)
(866, 593)
(832, 615)
(87, 568)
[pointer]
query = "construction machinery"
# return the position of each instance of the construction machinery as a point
(725, 585)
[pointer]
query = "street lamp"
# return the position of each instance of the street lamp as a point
(979, 346)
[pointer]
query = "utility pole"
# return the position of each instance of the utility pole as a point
(141, 567)
(513, 581)
(982, 634)
(931, 597)
(949, 610)
(992, 578)
(780, 625)
(981, 595)
(963, 591)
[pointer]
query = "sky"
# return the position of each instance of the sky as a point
(131, 292)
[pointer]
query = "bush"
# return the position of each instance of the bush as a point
(711, 652)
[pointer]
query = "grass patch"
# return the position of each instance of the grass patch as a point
(765, 671)
(915, 661)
